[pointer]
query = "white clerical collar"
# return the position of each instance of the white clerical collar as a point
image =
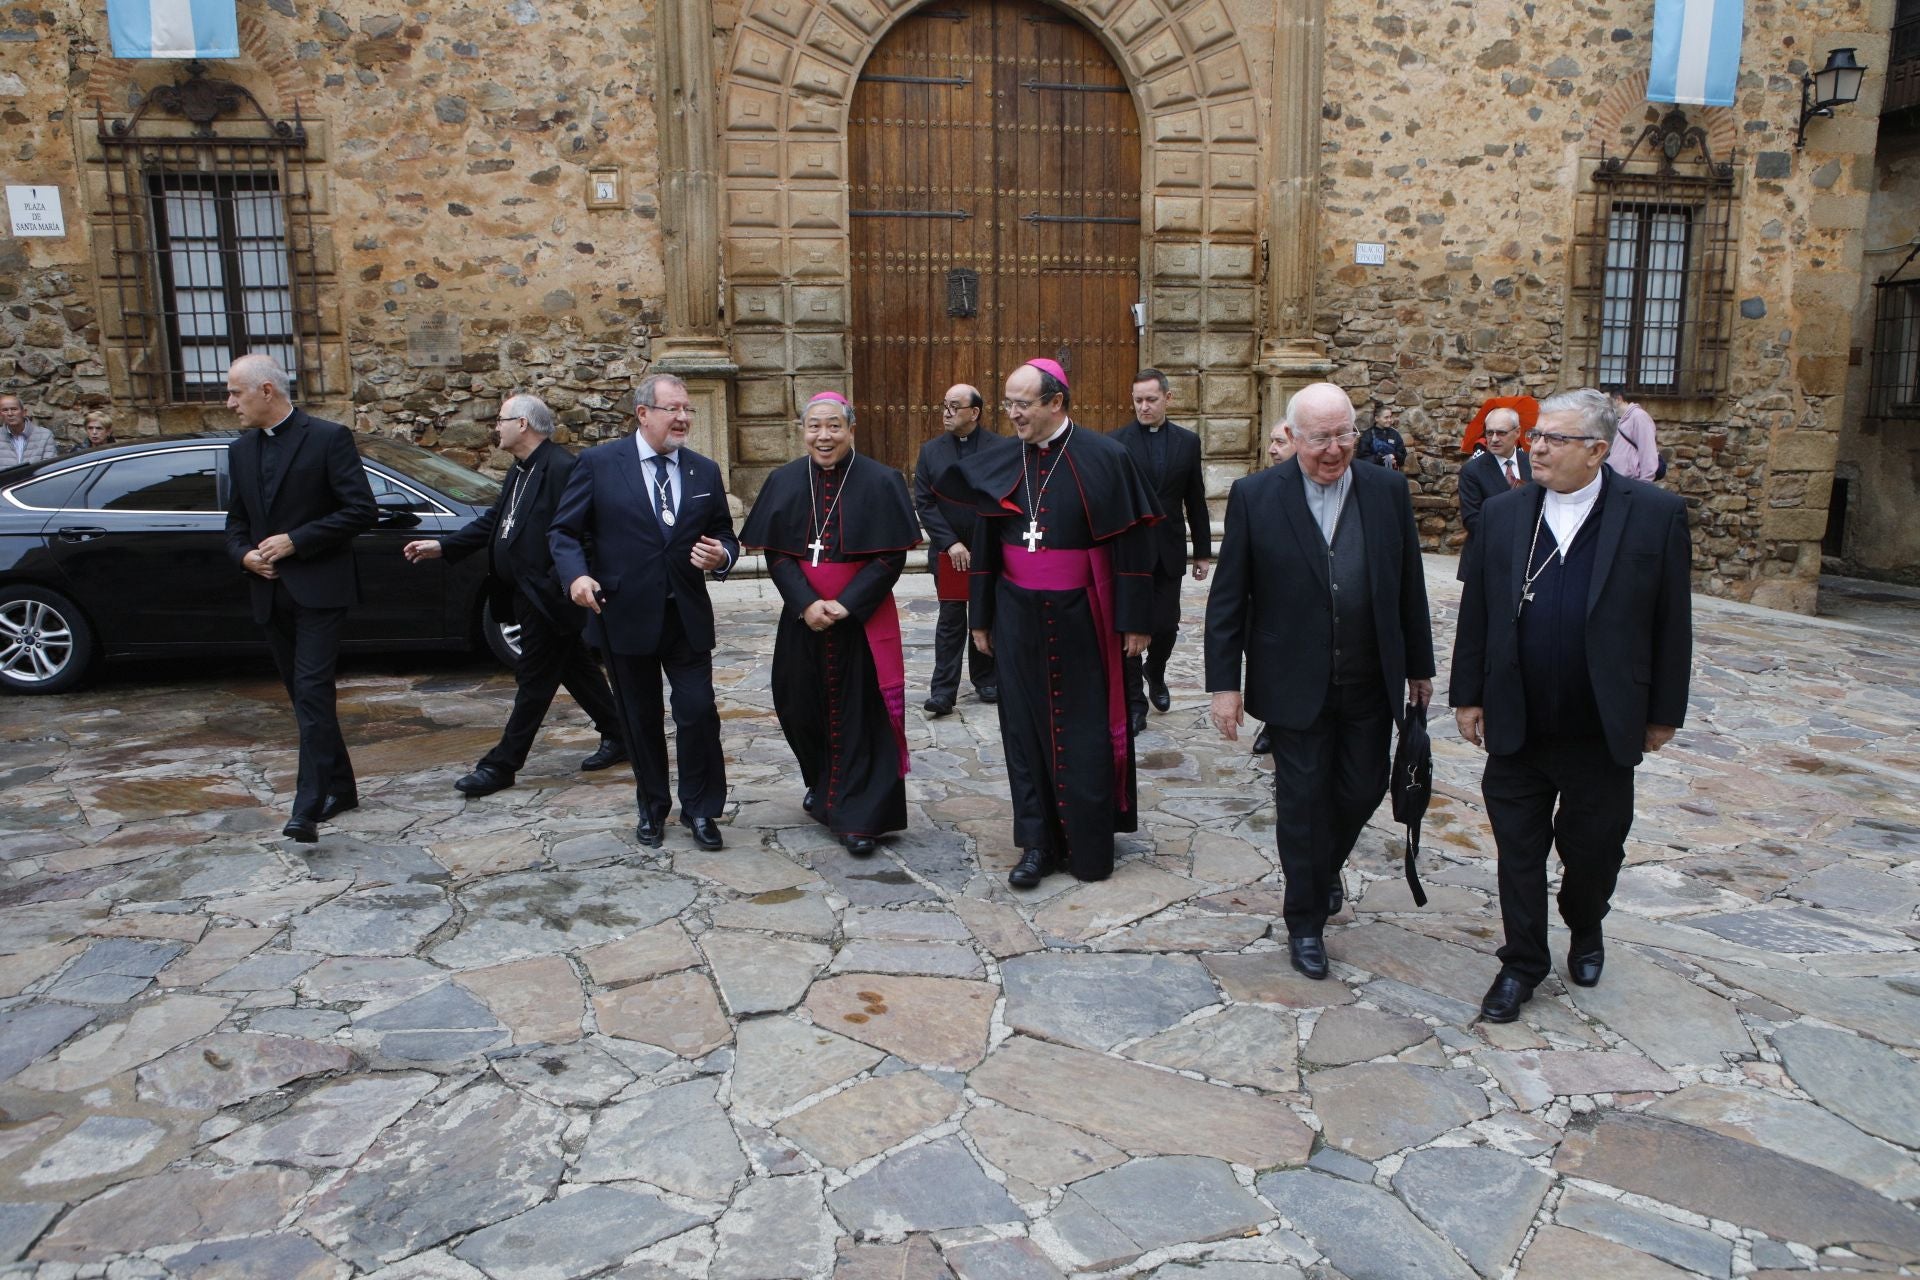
(1566, 512)
(1062, 430)
(1156, 430)
(283, 422)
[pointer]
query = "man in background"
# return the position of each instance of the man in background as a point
(1636, 452)
(950, 528)
(25, 440)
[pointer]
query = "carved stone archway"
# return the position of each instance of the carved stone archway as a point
(784, 229)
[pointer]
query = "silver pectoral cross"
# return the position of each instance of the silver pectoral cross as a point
(506, 527)
(816, 546)
(1033, 536)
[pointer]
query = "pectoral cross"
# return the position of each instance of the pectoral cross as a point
(1033, 535)
(1526, 597)
(506, 526)
(816, 546)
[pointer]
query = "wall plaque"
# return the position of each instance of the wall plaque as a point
(434, 342)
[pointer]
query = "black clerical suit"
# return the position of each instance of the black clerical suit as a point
(1568, 683)
(1169, 458)
(1330, 635)
(1481, 477)
(522, 588)
(655, 616)
(948, 524)
(304, 478)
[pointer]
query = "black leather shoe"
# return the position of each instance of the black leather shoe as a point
(612, 752)
(1263, 744)
(706, 832)
(1309, 956)
(1504, 998)
(989, 694)
(648, 832)
(484, 781)
(302, 831)
(333, 806)
(1157, 694)
(858, 846)
(1586, 956)
(806, 802)
(936, 709)
(1336, 898)
(1139, 718)
(1030, 870)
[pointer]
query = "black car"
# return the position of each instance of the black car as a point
(121, 552)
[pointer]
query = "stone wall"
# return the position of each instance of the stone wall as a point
(1460, 137)
(1881, 460)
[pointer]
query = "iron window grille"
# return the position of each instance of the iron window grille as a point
(1653, 266)
(1894, 388)
(212, 242)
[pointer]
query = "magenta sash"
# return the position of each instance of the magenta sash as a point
(1089, 570)
(883, 642)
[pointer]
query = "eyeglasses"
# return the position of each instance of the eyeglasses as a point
(1021, 405)
(1328, 442)
(1555, 439)
(504, 421)
(687, 409)
(1500, 433)
(959, 407)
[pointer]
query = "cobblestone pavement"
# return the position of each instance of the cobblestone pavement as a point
(493, 1038)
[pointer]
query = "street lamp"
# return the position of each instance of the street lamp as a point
(1834, 85)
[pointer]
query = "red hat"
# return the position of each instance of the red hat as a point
(1526, 406)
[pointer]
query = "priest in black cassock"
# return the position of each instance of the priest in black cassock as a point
(836, 528)
(1062, 591)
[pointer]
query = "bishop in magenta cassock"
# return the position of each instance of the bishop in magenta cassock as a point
(1062, 591)
(836, 528)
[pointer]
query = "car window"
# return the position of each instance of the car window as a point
(177, 480)
(431, 470)
(50, 493)
(384, 488)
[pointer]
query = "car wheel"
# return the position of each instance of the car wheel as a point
(503, 638)
(46, 646)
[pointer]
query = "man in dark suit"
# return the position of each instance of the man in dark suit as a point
(522, 588)
(1499, 466)
(299, 495)
(950, 528)
(1168, 455)
(640, 523)
(1320, 587)
(1573, 659)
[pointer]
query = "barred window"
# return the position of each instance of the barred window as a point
(1653, 267)
(1895, 388)
(213, 247)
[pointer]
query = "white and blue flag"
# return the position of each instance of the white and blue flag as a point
(1696, 51)
(173, 28)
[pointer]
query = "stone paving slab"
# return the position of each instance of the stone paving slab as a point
(468, 1040)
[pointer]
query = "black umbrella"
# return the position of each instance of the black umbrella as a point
(1412, 787)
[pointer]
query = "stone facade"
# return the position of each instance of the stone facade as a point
(451, 153)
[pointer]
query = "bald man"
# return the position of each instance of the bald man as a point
(1498, 465)
(1319, 589)
(950, 528)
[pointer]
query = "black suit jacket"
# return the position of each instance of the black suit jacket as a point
(1184, 483)
(528, 556)
(1481, 478)
(322, 501)
(945, 522)
(1639, 615)
(1272, 597)
(605, 526)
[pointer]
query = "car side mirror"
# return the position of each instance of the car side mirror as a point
(396, 511)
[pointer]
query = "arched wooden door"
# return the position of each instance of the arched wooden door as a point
(995, 171)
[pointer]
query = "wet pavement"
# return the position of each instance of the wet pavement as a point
(495, 1039)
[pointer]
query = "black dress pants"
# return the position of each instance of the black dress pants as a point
(306, 648)
(1595, 812)
(1328, 779)
(696, 722)
(950, 637)
(550, 656)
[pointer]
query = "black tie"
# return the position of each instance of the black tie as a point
(663, 491)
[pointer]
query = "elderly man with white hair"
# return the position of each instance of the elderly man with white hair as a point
(523, 588)
(299, 498)
(1319, 588)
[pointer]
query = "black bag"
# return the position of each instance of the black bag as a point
(1412, 788)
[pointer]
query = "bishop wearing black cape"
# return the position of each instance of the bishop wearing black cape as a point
(836, 528)
(1062, 584)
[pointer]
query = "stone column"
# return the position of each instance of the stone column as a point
(1290, 355)
(694, 347)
